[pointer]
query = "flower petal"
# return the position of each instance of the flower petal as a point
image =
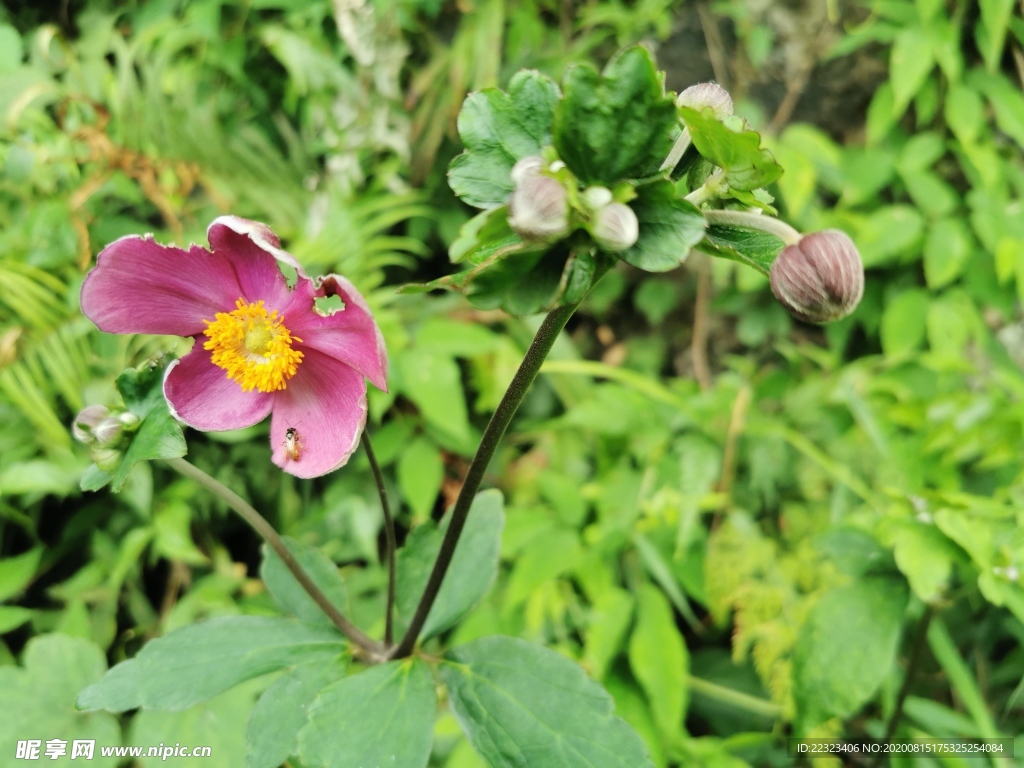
(350, 335)
(325, 403)
(140, 286)
(235, 233)
(201, 395)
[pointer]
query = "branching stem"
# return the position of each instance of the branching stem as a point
(546, 336)
(269, 535)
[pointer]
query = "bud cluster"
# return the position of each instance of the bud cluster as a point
(106, 432)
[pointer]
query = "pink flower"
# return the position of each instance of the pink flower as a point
(261, 347)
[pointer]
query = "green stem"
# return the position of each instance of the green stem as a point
(916, 653)
(269, 535)
(737, 699)
(772, 226)
(711, 188)
(389, 537)
(546, 336)
(677, 151)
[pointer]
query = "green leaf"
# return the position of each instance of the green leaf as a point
(847, 647)
(749, 246)
(289, 593)
(925, 557)
(544, 558)
(379, 718)
(733, 147)
(420, 474)
(659, 659)
(606, 629)
(904, 323)
(218, 724)
(947, 247)
(669, 227)
(12, 617)
(485, 236)
(499, 129)
(473, 569)
(16, 572)
(273, 729)
(615, 125)
(199, 661)
(521, 704)
(995, 17)
(434, 384)
(909, 64)
(38, 698)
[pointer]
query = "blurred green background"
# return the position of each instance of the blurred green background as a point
(690, 448)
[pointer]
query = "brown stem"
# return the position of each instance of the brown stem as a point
(390, 543)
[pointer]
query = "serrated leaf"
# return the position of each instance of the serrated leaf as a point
(379, 718)
(499, 129)
(659, 660)
(669, 227)
(473, 569)
(289, 593)
(847, 647)
(749, 246)
(199, 661)
(37, 699)
(733, 147)
(521, 704)
(272, 732)
(617, 124)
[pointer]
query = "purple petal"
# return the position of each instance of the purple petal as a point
(234, 233)
(325, 403)
(350, 335)
(201, 394)
(140, 286)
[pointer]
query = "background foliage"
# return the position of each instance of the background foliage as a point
(743, 527)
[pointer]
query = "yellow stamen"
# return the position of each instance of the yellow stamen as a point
(253, 346)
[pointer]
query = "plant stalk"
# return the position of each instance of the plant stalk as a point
(269, 535)
(390, 544)
(772, 226)
(546, 336)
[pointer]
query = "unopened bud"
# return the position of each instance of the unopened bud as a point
(595, 198)
(107, 459)
(615, 227)
(129, 420)
(539, 207)
(109, 431)
(86, 420)
(704, 95)
(820, 278)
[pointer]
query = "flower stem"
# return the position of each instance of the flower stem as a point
(677, 151)
(772, 226)
(546, 336)
(916, 653)
(389, 537)
(269, 535)
(713, 187)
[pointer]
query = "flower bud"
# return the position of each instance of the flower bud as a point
(86, 420)
(129, 421)
(595, 198)
(539, 207)
(615, 227)
(107, 459)
(705, 95)
(108, 431)
(820, 278)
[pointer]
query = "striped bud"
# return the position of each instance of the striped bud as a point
(705, 95)
(615, 227)
(108, 431)
(819, 279)
(86, 420)
(539, 206)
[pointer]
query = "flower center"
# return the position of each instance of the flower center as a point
(253, 346)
